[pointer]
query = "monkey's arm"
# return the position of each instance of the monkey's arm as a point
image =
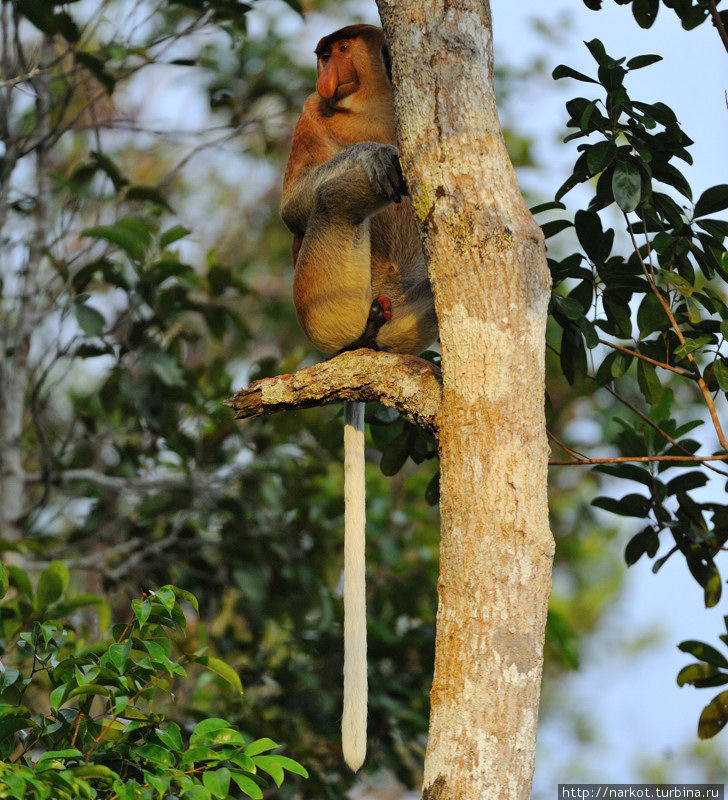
(360, 180)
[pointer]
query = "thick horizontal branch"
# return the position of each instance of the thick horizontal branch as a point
(409, 384)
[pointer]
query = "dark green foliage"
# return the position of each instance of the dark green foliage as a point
(709, 671)
(691, 13)
(659, 312)
(83, 716)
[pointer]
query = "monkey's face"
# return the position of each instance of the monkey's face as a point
(337, 73)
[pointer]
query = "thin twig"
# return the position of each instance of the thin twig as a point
(27, 76)
(656, 427)
(637, 354)
(641, 459)
(718, 22)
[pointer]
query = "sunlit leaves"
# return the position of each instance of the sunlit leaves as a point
(123, 677)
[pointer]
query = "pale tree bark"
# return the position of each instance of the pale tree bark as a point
(488, 269)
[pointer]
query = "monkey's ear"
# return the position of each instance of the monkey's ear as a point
(387, 61)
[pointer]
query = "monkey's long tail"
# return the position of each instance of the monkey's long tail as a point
(354, 719)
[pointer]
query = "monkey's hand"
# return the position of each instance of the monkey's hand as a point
(380, 163)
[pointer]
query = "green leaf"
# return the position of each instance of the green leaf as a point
(51, 584)
(160, 783)
(395, 456)
(69, 752)
(224, 670)
(155, 754)
(626, 186)
(645, 12)
(555, 226)
(683, 286)
(596, 242)
(89, 689)
(600, 156)
(147, 194)
(596, 48)
(691, 346)
(550, 206)
(696, 672)
(573, 355)
(166, 597)
(8, 676)
(130, 234)
(646, 541)
(170, 736)
(569, 307)
(686, 482)
(270, 765)
(142, 609)
(717, 228)
(648, 382)
(287, 763)
(630, 472)
(224, 737)
(260, 746)
(208, 726)
(217, 782)
(704, 652)
(196, 792)
(4, 581)
(196, 754)
(90, 320)
(247, 785)
(172, 235)
(119, 654)
(638, 62)
(94, 772)
(632, 505)
(714, 716)
(183, 594)
(720, 371)
(712, 200)
(562, 71)
(711, 583)
(57, 696)
(165, 366)
(591, 337)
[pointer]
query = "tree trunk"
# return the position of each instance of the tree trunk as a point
(488, 270)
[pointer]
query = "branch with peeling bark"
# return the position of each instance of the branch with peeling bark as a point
(409, 384)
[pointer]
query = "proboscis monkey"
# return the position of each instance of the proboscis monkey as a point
(360, 278)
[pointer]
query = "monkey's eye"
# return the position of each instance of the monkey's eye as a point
(343, 48)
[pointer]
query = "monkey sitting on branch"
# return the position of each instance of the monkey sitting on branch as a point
(360, 277)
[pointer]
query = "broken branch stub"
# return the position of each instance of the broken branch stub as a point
(408, 384)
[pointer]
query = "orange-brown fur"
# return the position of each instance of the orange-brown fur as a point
(339, 267)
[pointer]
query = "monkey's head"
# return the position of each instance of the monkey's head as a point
(352, 61)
